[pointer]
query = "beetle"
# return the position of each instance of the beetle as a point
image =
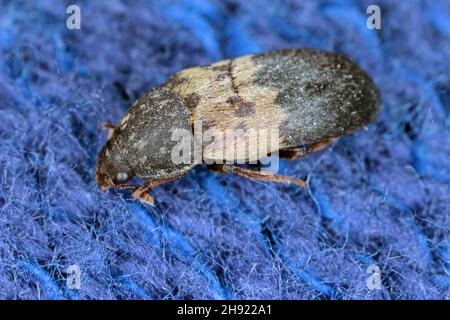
(310, 96)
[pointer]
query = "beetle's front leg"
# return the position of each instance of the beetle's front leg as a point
(251, 174)
(141, 193)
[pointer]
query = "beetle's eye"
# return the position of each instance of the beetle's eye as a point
(122, 176)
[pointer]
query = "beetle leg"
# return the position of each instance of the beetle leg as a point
(110, 128)
(297, 153)
(141, 192)
(251, 174)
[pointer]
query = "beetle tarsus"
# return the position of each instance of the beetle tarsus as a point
(251, 174)
(141, 193)
(143, 196)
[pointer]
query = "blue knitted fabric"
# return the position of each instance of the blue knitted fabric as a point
(377, 197)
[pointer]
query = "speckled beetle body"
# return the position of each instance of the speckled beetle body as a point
(310, 96)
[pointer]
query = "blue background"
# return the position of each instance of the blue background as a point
(379, 196)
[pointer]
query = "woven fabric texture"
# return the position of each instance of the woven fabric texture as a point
(377, 197)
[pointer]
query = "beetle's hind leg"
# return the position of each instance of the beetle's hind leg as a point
(297, 153)
(141, 193)
(251, 174)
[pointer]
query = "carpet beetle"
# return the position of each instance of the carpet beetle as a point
(309, 96)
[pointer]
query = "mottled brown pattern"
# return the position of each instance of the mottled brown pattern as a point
(221, 71)
(241, 126)
(223, 68)
(221, 76)
(209, 124)
(174, 81)
(230, 73)
(308, 95)
(241, 108)
(232, 102)
(192, 101)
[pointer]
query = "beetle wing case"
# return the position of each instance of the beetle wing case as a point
(309, 95)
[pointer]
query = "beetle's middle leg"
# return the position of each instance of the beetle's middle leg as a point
(251, 174)
(141, 193)
(297, 153)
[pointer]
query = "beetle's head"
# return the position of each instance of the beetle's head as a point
(141, 145)
(112, 169)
